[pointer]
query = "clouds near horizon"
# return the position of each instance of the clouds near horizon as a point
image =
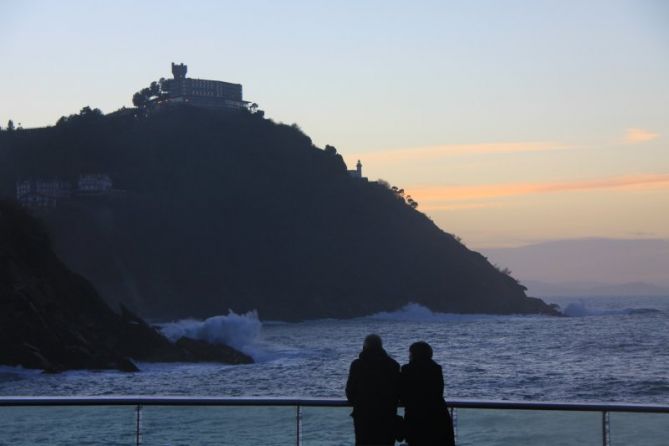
(456, 197)
(636, 135)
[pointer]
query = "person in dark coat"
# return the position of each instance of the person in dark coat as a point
(426, 417)
(373, 390)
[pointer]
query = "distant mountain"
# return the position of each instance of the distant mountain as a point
(215, 211)
(588, 264)
(581, 289)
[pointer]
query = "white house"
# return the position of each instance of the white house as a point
(94, 184)
(42, 193)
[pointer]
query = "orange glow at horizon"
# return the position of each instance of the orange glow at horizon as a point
(432, 195)
(634, 135)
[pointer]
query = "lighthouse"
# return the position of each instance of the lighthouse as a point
(357, 173)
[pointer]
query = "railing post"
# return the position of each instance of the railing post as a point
(298, 425)
(138, 425)
(454, 418)
(606, 441)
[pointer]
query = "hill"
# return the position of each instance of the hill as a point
(226, 211)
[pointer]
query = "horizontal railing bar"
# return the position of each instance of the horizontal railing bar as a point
(312, 402)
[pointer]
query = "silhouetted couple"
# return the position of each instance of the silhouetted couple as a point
(376, 386)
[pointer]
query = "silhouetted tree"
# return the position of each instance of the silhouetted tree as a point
(154, 89)
(139, 100)
(88, 112)
(383, 183)
(504, 270)
(10, 125)
(330, 150)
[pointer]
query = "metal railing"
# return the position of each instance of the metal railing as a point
(140, 401)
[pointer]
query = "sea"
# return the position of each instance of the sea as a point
(605, 349)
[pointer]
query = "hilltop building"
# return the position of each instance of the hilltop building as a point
(357, 173)
(200, 92)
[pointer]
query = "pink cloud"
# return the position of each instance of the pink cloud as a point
(634, 135)
(432, 195)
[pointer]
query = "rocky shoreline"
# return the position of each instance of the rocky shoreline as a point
(53, 319)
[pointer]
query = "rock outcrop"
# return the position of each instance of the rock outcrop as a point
(53, 319)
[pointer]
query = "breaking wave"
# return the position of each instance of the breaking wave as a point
(15, 373)
(413, 312)
(579, 309)
(240, 331)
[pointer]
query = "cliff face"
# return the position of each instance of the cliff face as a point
(53, 319)
(50, 318)
(234, 211)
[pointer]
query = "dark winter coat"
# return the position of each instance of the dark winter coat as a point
(373, 390)
(427, 421)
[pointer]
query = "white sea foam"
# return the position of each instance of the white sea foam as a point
(413, 312)
(580, 309)
(240, 331)
(7, 372)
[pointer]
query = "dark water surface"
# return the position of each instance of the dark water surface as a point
(607, 350)
(610, 349)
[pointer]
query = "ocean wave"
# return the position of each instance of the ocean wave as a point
(240, 331)
(579, 309)
(11, 373)
(413, 312)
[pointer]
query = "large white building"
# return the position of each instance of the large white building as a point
(201, 92)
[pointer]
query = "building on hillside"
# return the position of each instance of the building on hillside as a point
(94, 184)
(41, 193)
(200, 92)
(357, 173)
(37, 201)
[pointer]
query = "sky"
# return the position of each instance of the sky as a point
(509, 122)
